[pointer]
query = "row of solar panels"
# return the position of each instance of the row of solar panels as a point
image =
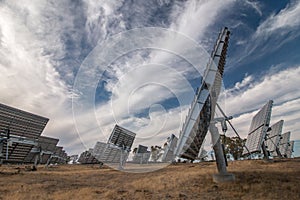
(119, 142)
(21, 140)
(261, 133)
(108, 153)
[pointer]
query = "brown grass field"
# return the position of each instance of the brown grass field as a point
(255, 179)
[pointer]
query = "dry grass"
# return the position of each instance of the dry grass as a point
(255, 179)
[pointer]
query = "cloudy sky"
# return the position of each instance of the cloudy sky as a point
(87, 65)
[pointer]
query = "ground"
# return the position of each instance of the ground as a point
(255, 179)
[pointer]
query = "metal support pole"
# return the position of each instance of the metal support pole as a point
(121, 160)
(223, 175)
(278, 152)
(1, 150)
(265, 151)
(36, 159)
(48, 161)
(6, 156)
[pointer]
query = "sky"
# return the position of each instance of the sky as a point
(87, 65)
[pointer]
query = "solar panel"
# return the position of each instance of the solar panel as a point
(118, 146)
(142, 155)
(169, 149)
(290, 149)
(273, 137)
(142, 149)
(284, 142)
(98, 149)
(56, 156)
(24, 128)
(87, 157)
(257, 132)
(121, 137)
(48, 146)
(111, 155)
(197, 122)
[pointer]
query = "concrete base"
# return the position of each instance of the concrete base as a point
(220, 178)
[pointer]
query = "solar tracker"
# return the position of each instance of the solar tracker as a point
(121, 137)
(284, 142)
(273, 137)
(142, 155)
(202, 109)
(87, 157)
(98, 149)
(117, 149)
(290, 149)
(169, 149)
(259, 126)
(24, 129)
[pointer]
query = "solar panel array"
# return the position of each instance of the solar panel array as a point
(197, 122)
(257, 132)
(24, 127)
(169, 153)
(24, 140)
(273, 137)
(106, 153)
(284, 143)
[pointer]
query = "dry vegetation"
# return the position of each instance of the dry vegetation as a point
(255, 179)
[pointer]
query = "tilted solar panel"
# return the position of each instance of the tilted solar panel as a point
(202, 109)
(290, 149)
(48, 146)
(169, 149)
(121, 137)
(142, 155)
(120, 141)
(24, 129)
(284, 142)
(273, 137)
(259, 126)
(142, 149)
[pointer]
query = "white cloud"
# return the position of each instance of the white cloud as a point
(273, 32)
(198, 16)
(30, 44)
(286, 20)
(255, 5)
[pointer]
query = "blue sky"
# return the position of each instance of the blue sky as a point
(44, 44)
